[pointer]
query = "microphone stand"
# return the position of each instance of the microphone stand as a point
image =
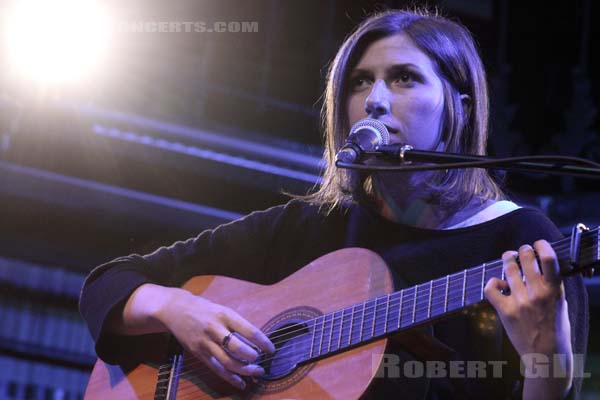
(406, 155)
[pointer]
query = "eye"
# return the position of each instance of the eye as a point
(406, 78)
(359, 82)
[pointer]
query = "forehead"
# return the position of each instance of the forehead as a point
(391, 50)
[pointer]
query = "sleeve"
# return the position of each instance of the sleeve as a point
(577, 299)
(539, 226)
(239, 249)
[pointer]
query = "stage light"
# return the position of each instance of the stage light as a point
(54, 42)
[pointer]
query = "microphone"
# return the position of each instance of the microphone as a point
(365, 135)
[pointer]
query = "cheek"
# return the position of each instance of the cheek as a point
(356, 109)
(426, 108)
(422, 116)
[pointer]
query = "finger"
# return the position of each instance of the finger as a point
(232, 364)
(221, 371)
(252, 333)
(513, 274)
(493, 293)
(530, 267)
(550, 267)
(235, 347)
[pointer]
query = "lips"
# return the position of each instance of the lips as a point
(391, 129)
(395, 136)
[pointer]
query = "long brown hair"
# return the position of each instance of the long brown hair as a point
(451, 48)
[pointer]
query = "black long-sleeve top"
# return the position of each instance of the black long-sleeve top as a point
(266, 246)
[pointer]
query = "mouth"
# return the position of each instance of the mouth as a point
(391, 129)
(395, 136)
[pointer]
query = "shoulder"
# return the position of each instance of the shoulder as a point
(506, 215)
(489, 213)
(294, 208)
(532, 220)
(293, 212)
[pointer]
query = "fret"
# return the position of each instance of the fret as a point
(421, 303)
(329, 349)
(362, 323)
(438, 301)
(597, 245)
(455, 291)
(357, 326)
(393, 312)
(429, 305)
(339, 333)
(464, 290)
(387, 313)
(446, 295)
(351, 325)
(312, 344)
(473, 285)
(374, 319)
(346, 331)
(503, 277)
(482, 281)
(380, 319)
(326, 333)
(322, 331)
(368, 325)
(406, 303)
(494, 271)
(400, 309)
(414, 311)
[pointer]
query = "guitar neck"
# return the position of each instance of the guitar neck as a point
(382, 316)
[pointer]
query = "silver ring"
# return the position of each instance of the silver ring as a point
(226, 340)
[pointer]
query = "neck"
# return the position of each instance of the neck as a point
(409, 203)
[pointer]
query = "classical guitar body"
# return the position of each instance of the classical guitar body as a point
(332, 282)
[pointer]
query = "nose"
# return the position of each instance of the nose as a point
(377, 102)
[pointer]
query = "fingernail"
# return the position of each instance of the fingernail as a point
(241, 383)
(257, 370)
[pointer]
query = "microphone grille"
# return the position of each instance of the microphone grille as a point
(377, 126)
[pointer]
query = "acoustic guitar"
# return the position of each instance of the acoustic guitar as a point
(329, 321)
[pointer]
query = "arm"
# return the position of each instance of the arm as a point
(139, 294)
(535, 316)
(198, 324)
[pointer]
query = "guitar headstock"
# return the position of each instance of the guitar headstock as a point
(584, 250)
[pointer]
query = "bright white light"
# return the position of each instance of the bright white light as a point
(56, 41)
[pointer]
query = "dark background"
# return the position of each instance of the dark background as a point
(162, 143)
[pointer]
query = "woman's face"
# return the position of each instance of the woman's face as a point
(395, 83)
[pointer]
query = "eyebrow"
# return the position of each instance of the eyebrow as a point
(390, 70)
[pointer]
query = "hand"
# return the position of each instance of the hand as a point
(201, 325)
(535, 313)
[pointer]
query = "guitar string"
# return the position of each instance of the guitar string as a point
(279, 355)
(368, 310)
(216, 378)
(557, 245)
(407, 301)
(341, 344)
(376, 322)
(470, 289)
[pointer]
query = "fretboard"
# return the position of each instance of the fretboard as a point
(425, 302)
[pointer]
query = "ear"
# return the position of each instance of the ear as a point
(465, 100)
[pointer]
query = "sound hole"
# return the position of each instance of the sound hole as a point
(291, 336)
(292, 344)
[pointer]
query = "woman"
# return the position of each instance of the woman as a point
(421, 76)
